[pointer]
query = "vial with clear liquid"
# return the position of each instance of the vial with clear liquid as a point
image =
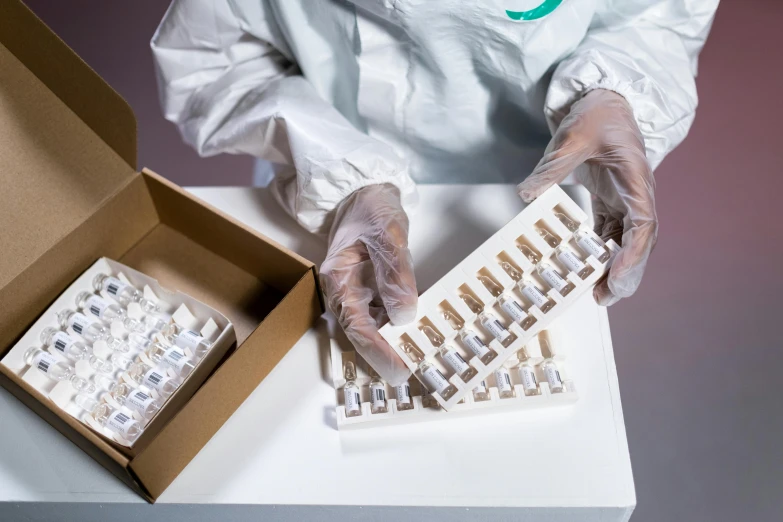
(472, 303)
(503, 381)
(351, 393)
(454, 320)
(106, 311)
(434, 337)
(403, 395)
(142, 403)
(104, 382)
(47, 364)
(481, 392)
(535, 295)
(91, 330)
(63, 344)
(454, 360)
(153, 378)
(548, 237)
(527, 374)
(549, 366)
(569, 223)
(512, 272)
(171, 357)
(377, 394)
(572, 262)
(554, 279)
(116, 420)
(432, 376)
(591, 245)
(531, 255)
(123, 293)
(514, 310)
(187, 339)
(491, 286)
(496, 328)
(474, 343)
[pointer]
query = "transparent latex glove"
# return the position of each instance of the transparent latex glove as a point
(600, 131)
(368, 274)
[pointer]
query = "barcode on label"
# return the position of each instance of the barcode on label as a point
(59, 344)
(121, 418)
(175, 355)
(517, 306)
(500, 326)
(193, 334)
(140, 395)
(77, 327)
(380, 395)
(155, 378)
(43, 366)
(507, 379)
(94, 310)
(113, 288)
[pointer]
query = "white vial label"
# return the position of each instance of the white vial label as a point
(434, 379)
(174, 358)
(456, 361)
(475, 345)
(554, 279)
(120, 423)
(553, 376)
(481, 388)
(378, 395)
(528, 377)
(536, 296)
(570, 260)
(403, 392)
(61, 341)
(352, 400)
(114, 286)
(503, 380)
(513, 309)
(79, 322)
(189, 339)
(494, 327)
(155, 380)
(139, 401)
(590, 245)
(96, 306)
(44, 362)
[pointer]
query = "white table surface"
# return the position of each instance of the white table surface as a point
(281, 447)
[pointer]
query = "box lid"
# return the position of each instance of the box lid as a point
(67, 140)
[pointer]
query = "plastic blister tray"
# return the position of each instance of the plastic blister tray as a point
(469, 406)
(487, 261)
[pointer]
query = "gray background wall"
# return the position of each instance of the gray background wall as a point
(699, 348)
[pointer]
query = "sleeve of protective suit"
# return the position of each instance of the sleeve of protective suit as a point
(646, 51)
(229, 82)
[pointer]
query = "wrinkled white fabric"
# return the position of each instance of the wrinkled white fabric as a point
(345, 94)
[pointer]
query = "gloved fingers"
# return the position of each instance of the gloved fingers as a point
(394, 275)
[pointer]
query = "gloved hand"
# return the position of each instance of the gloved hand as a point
(368, 274)
(600, 130)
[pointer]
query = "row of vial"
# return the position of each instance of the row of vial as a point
(504, 383)
(434, 378)
(164, 346)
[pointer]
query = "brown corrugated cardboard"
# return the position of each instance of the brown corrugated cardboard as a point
(71, 195)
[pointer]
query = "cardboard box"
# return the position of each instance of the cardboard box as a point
(71, 194)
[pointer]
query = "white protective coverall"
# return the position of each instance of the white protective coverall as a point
(341, 94)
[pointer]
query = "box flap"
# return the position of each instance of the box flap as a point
(67, 140)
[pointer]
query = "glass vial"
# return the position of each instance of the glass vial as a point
(403, 395)
(171, 357)
(91, 330)
(104, 382)
(512, 272)
(496, 328)
(187, 339)
(377, 394)
(592, 246)
(548, 237)
(123, 293)
(153, 378)
(514, 310)
(572, 262)
(569, 223)
(454, 320)
(554, 279)
(142, 403)
(472, 303)
(62, 343)
(430, 375)
(549, 367)
(106, 311)
(535, 295)
(481, 392)
(47, 364)
(116, 420)
(474, 343)
(491, 286)
(434, 337)
(527, 374)
(454, 360)
(531, 255)
(503, 381)
(351, 394)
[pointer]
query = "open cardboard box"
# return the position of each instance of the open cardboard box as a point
(71, 194)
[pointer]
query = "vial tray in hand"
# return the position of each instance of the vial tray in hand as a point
(550, 212)
(422, 405)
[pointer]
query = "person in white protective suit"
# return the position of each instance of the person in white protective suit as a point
(353, 100)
